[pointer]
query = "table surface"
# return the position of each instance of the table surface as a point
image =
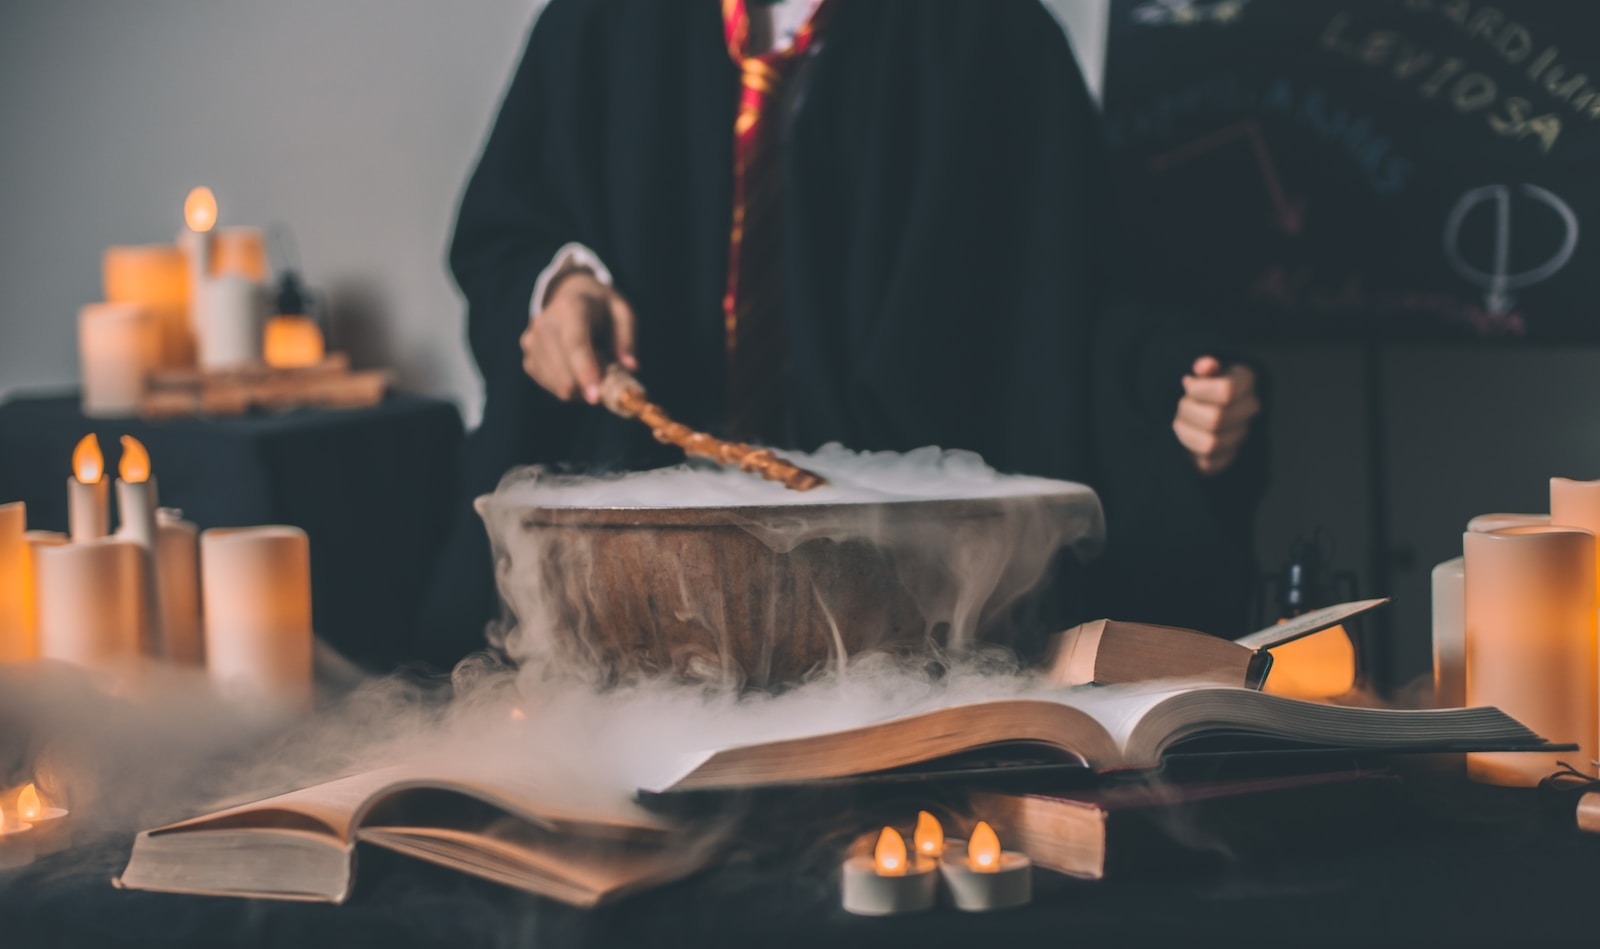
(1515, 873)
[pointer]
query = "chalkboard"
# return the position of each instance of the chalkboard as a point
(1400, 168)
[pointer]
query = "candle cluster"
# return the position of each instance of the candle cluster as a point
(197, 302)
(977, 873)
(1515, 626)
(106, 600)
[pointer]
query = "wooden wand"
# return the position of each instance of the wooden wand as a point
(621, 393)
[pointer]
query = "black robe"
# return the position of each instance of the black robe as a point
(950, 271)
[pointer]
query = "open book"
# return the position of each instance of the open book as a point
(301, 845)
(1106, 728)
(1108, 652)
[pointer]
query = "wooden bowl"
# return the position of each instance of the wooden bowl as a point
(767, 596)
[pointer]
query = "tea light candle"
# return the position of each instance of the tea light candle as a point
(88, 495)
(178, 589)
(988, 878)
(256, 596)
(16, 585)
(889, 882)
(119, 344)
(51, 830)
(16, 843)
(928, 839)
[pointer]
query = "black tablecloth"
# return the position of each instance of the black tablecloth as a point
(373, 488)
(1520, 879)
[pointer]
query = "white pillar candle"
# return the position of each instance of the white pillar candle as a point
(119, 344)
(1499, 521)
(178, 589)
(91, 602)
(136, 510)
(88, 492)
(1531, 643)
(888, 882)
(1449, 634)
(228, 322)
(256, 595)
(16, 586)
(982, 877)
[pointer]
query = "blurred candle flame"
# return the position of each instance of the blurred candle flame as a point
(983, 848)
(29, 807)
(134, 467)
(200, 209)
(890, 854)
(929, 837)
(88, 464)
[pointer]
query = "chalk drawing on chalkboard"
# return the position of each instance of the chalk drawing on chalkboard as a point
(1188, 12)
(1288, 213)
(1496, 278)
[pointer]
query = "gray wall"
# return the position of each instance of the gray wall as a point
(357, 121)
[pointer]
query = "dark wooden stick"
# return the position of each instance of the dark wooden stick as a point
(621, 393)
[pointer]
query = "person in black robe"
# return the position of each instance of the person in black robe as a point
(951, 279)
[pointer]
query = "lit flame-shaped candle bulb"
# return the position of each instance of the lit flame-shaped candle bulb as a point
(983, 849)
(929, 836)
(88, 495)
(989, 878)
(200, 210)
(889, 881)
(890, 854)
(134, 467)
(50, 831)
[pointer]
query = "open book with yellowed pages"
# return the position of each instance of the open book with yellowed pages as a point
(1105, 728)
(579, 849)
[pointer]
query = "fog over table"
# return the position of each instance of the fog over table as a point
(716, 577)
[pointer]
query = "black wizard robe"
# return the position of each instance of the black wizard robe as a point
(950, 263)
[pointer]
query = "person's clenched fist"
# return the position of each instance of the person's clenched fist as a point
(582, 322)
(1215, 413)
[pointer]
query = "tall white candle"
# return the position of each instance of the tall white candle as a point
(88, 492)
(136, 508)
(199, 217)
(1449, 634)
(229, 322)
(119, 345)
(91, 602)
(178, 589)
(256, 591)
(16, 586)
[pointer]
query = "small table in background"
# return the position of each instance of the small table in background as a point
(374, 488)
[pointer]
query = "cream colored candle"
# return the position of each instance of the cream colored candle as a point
(88, 492)
(256, 591)
(119, 344)
(17, 641)
(228, 322)
(1449, 634)
(91, 602)
(1530, 643)
(155, 276)
(178, 589)
(136, 509)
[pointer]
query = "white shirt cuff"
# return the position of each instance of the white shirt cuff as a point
(570, 257)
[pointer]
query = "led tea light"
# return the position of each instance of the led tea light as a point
(16, 842)
(986, 877)
(928, 839)
(88, 492)
(889, 882)
(51, 830)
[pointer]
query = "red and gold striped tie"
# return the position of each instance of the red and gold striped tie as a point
(754, 304)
